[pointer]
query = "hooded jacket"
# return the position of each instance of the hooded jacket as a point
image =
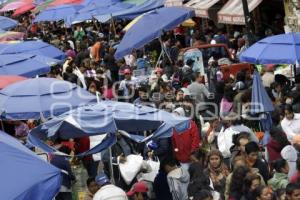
(178, 180)
(279, 181)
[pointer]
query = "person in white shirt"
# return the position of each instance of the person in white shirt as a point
(291, 123)
(128, 85)
(232, 126)
(107, 190)
(268, 78)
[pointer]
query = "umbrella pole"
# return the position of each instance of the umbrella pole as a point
(2, 126)
(111, 166)
(160, 55)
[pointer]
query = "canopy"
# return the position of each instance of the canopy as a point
(23, 174)
(25, 65)
(109, 117)
(233, 13)
(7, 80)
(33, 48)
(7, 23)
(278, 49)
(10, 35)
(132, 12)
(136, 37)
(41, 97)
(201, 6)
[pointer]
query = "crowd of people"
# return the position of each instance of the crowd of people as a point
(220, 155)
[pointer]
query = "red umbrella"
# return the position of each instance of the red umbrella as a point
(7, 80)
(64, 2)
(24, 9)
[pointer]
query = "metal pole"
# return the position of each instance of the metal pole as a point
(248, 22)
(111, 169)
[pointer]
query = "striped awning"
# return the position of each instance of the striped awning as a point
(233, 13)
(201, 6)
(171, 3)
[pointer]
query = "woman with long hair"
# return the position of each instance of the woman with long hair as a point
(263, 193)
(251, 182)
(217, 171)
(236, 188)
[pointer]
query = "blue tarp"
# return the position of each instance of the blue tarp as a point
(33, 98)
(109, 117)
(278, 49)
(23, 174)
(7, 23)
(33, 48)
(150, 27)
(25, 65)
(132, 12)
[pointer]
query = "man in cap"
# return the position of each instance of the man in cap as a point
(108, 190)
(138, 191)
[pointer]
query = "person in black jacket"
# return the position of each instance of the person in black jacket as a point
(62, 163)
(253, 160)
(161, 187)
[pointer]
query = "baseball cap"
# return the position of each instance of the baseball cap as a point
(127, 71)
(152, 145)
(101, 179)
(138, 187)
(239, 86)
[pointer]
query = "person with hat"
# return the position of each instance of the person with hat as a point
(108, 190)
(138, 191)
(128, 85)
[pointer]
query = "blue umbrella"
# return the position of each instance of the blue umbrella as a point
(260, 102)
(7, 23)
(33, 48)
(25, 65)
(88, 13)
(137, 36)
(41, 97)
(132, 12)
(63, 12)
(109, 117)
(261, 105)
(278, 49)
(23, 174)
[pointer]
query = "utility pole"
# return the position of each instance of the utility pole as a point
(248, 22)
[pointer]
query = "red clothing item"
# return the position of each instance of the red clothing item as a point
(186, 142)
(82, 145)
(274, 149)
(294, 178)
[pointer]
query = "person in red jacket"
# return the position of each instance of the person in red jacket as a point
(185, 143)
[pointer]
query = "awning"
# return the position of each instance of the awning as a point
(171, 3)
(233, 13)
(201, 6)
